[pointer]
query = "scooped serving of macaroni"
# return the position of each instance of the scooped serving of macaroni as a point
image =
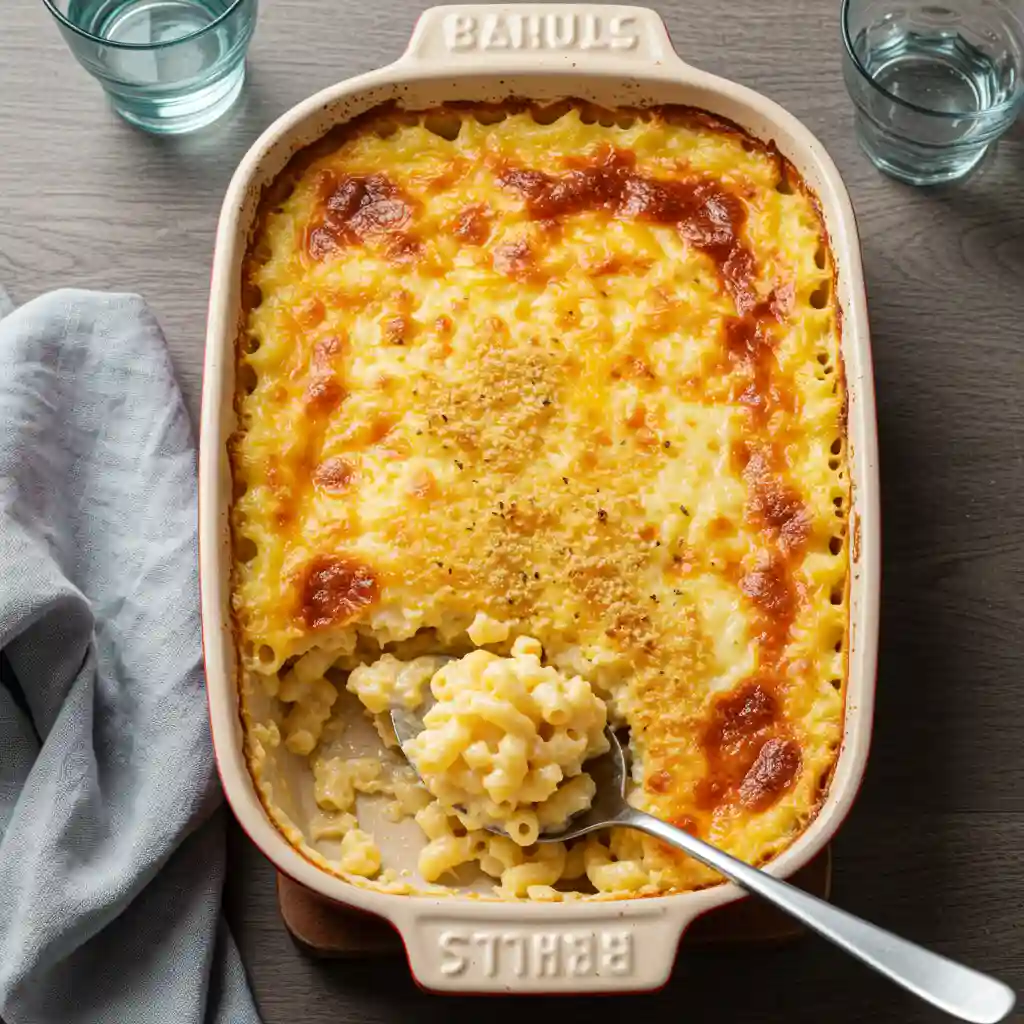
(541, 427)
(506, 742)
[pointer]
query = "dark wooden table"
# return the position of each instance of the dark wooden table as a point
(935, 846)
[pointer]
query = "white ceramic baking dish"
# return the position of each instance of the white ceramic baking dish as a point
(613, 56)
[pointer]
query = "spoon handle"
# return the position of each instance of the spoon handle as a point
(959, 990)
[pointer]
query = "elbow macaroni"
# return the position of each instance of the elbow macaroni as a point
(506, 741)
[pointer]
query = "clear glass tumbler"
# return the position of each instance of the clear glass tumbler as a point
(934, 83)
(168, 66)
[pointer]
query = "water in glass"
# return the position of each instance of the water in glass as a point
(168, 65)
(934, 84)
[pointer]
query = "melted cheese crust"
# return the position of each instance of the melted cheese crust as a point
(602, 404)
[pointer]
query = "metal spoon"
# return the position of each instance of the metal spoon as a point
(960, 991)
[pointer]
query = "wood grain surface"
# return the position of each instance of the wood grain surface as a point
(935, 846)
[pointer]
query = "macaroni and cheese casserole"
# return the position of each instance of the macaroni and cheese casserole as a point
(541, 427)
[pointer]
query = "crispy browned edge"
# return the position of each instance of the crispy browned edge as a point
(278, 190)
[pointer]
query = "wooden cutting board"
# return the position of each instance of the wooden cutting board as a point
(326, 929)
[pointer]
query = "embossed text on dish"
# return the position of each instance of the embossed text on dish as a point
(556, 32)
(541, 953)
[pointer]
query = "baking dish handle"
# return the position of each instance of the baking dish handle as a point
(621, 946)
(543, 36)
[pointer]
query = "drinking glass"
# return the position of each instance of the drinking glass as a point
(168, 66)
(934, 83)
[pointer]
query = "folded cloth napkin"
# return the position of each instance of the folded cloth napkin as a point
(111, 842)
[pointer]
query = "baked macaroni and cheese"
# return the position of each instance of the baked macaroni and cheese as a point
(541, 426)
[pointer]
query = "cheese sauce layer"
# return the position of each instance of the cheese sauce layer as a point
(575, 373)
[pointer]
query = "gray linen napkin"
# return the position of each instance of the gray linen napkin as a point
(111, 842)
